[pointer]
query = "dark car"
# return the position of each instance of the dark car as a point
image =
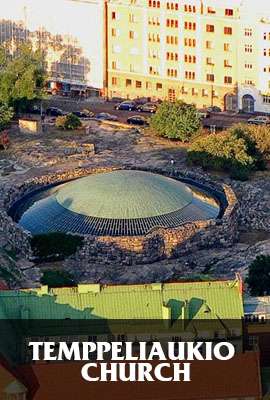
(106, 117)
(84, 114)
(214, 109)
(137, 120)
(54, 112)
(147, 107)
(126, 105)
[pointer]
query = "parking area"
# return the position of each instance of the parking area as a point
(216, 121)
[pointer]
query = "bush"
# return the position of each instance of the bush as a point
(55, 246)
(68, 122)
(176, 121)
(258, 278)
(54, 278)
(6, 114)
(225, 152)
(259, 134)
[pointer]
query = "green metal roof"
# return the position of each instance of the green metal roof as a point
(195, 300)
(124, 195)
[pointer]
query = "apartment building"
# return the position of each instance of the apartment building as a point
(70, 32)
(206, 52)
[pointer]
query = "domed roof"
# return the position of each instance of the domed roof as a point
(118, 203)
(124, 195)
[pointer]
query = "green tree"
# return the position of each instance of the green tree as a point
(22, 76)
(176, 121)
(68, 122)
(6, 113)
(258, 278)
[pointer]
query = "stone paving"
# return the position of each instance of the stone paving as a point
(36, 155)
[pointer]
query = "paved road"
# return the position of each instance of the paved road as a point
(219, 120)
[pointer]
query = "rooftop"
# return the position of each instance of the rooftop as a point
(117, 203)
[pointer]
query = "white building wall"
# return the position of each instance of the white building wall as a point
(82, 20)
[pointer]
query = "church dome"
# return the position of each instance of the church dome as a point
(117, 203)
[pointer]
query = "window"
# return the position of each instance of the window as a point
(210, 78)
(227, 47)
(209, 45)
(205, 92)
(148, 85)
(153, 70)
(266, 36)
(194, 92)
(266, 99)
(265, 52)
(227, 64)
(158, 86)
(114, 65)
(248, 32)
(113, 15)
(191, 26)
(131, 34)
(172, 23)
(189, 8)
(154, 3)
(153, 37)
(190, 75)
(227, 30)
(114, 80)
(229, 12)
(248, 66)
(172, 6)
(172, 73)
(128, 82)
(113, 32)
(211, 10)
(188, 42)
(190, 59)
(228, 79)
(249, 82)
(171, 56)
(153, 21)
(248, 48)
(209, 61)
(172, 40)
(138, 84)
(210, 28)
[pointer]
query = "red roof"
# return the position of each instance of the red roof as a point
(236, 378)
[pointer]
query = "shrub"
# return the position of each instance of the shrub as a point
(225, 151)
(258, 278)
(6, 114)
(176, 121)
(68, 122)
(260, 134)
(54, 278)
(55, 246)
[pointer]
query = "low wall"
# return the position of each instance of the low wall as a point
(160, 243)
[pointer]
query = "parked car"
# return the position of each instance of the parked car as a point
(147, 107)
(214, 109)
(259, 120)
(202, 113)
(137, 120)
(54, 112)
(84, 114)
(106, 117)
(126, 105)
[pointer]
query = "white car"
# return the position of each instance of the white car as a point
(260, 120)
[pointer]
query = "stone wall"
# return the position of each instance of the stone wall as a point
(158, 244)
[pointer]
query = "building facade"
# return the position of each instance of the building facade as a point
(71, 35)
(205, 52)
